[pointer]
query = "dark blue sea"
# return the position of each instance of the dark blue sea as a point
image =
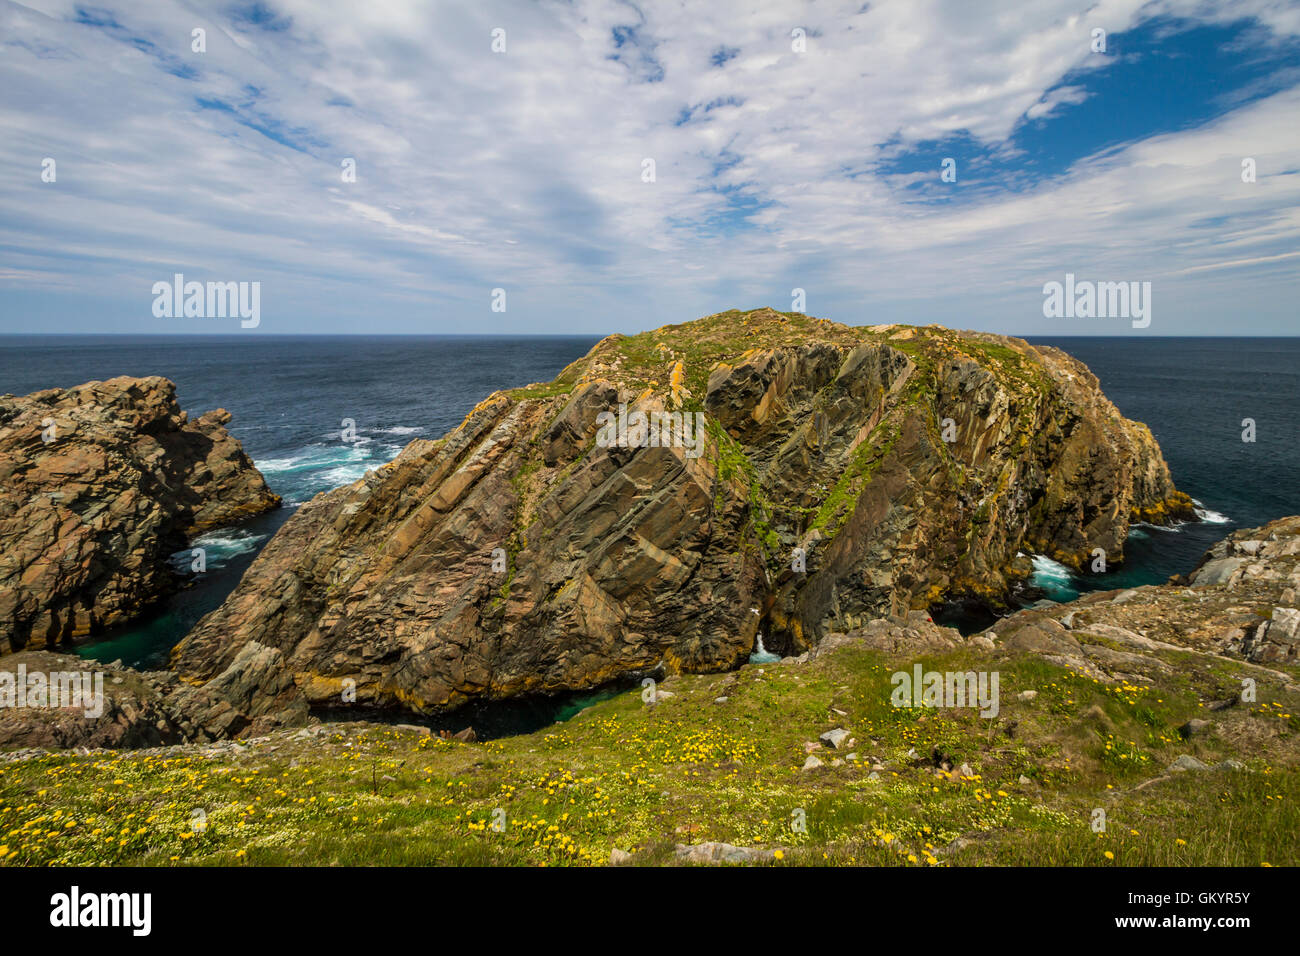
(289, 397)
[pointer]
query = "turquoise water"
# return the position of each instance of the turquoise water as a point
(761, 655)
(1141, 565)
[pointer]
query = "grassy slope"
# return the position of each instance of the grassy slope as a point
(636, 777)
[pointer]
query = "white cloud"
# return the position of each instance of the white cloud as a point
(523, 170)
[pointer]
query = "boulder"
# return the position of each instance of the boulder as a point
(714, 853)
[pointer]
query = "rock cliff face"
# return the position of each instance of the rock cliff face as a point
(98, 485)
(519, 554)
(1246, 612)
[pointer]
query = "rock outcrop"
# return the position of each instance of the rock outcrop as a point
(98, 485)
(519, 554)
(1148, 635)
(1240, 602)
(122, 709)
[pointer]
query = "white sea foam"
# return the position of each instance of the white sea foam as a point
(1143, 526)
(316, 468)
(313, 458)
(344, 474)
(1208, 515)
(219, 548)
(230, 540)
(1054, 578)
(1050, 570)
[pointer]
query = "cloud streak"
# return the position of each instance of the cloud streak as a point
(774, 169)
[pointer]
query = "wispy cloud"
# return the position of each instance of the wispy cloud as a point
(525, 170)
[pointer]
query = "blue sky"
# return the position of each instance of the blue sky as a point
(776, 168)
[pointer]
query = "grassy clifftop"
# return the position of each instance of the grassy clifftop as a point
(645, 361)
(645, 778)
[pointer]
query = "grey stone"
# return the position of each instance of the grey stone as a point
(713, 853)
(833, 738)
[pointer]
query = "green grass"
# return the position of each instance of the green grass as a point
(644, 778)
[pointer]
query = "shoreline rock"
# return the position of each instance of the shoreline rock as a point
(99, 484)
(1138, 640)
(516, 555)
(1248, 614)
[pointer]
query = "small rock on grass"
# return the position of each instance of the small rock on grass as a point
(721, 853)
(812, 763)
(1186, 762)
(833, 738)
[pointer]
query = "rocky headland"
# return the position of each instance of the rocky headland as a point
(847, 474)
(99, 484)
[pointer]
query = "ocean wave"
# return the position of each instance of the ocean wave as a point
(398, 430)
(1145, 526)
(344, 474)
(219, 547)
(1054, 578)
(1209, 515)
(359, 437)
(312, 458)
(301, 476)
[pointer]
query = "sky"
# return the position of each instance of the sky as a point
(506, 146)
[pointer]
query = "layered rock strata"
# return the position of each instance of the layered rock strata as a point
(99, 484)
(847, 474)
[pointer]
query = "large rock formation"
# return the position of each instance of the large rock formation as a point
(518, 554)
(98, 485)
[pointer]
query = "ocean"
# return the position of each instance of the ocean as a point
(290, 397)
